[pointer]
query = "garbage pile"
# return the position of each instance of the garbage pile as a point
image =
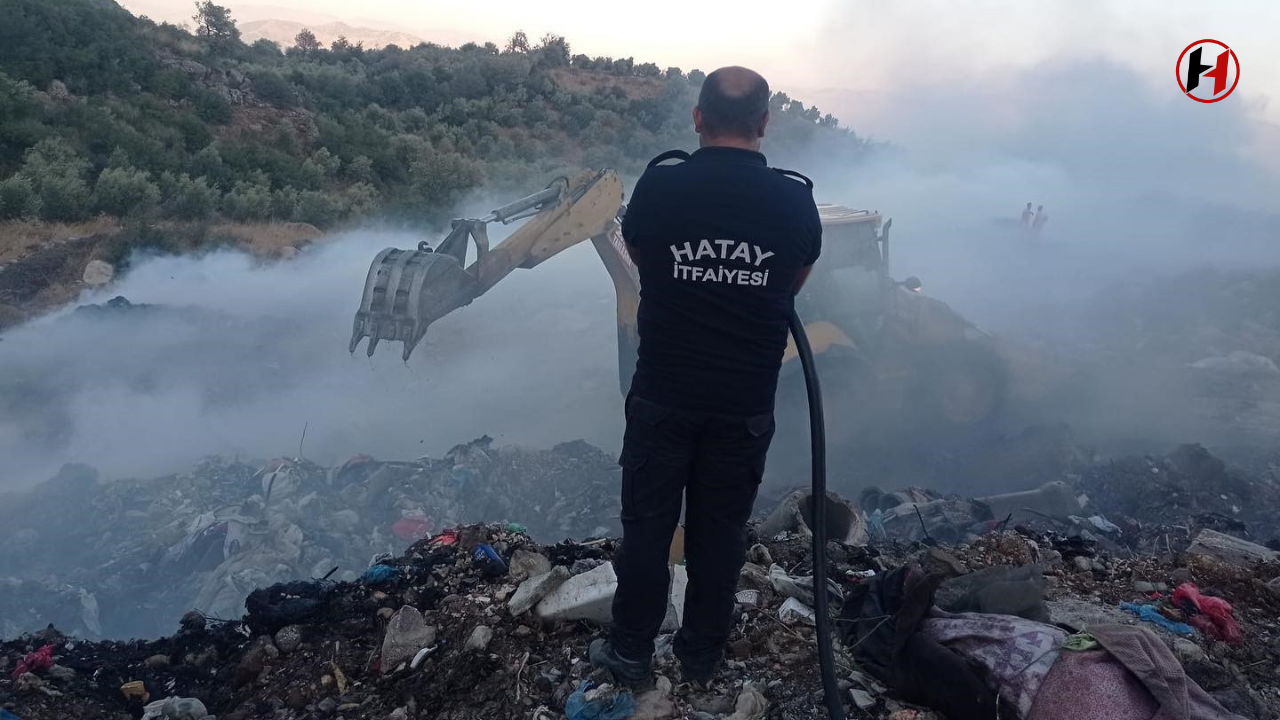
(129, 558)
(479, 621)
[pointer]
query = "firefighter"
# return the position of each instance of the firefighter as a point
(722, 243)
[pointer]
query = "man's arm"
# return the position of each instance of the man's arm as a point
(815, 246)
(636, 216)
(800, 278)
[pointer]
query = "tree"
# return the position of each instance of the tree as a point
(247, 202)
(554, 50)
(214, 23)
(341, 45)
(306, 42)
(18, 199)
(193, 199)
(519, 43)
(696, 77)
(57, 173)
(125, 192)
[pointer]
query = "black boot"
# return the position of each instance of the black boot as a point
(635, 674)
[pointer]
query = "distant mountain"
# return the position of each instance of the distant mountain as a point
(283, 33)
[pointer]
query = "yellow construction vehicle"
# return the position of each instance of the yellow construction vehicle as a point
(884, 349)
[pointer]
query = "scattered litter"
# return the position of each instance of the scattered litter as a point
(602, 703)
(1210, 615)
(794, 611)
(175, 708)
(1152, 615)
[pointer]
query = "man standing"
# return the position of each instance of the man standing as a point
(1027, 215)
(722, 243)
(1041, 218)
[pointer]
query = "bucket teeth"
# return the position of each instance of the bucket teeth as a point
(405, 291)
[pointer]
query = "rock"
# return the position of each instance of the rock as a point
(407, 633)
(532, 591)
(1229, 549)
(1187, 651)
(1146, 588)
(754, 577)
(740, 649)
(862, 699)
(399, 714)
(289, 638)
(584, 566)
(480, 639)
(656, 704)
(193, 622)
(157, 661)
(327, 707)
(759, 555)
(939, 560)
(61, 673)
(27, 683)
(1082, 563)
(525, 564)
(98, 273)
(750, 704)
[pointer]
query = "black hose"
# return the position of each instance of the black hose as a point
(818, 519)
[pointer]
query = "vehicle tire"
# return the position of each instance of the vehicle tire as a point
(963, 385)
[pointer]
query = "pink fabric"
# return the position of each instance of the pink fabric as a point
(1092, 685)
(1016, 654)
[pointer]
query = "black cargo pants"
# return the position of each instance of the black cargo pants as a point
(715, 462)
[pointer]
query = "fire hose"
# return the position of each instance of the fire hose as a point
(818, 519)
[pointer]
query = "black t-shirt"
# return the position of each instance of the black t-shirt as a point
(718, 241)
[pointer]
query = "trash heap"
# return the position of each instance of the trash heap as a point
(129, 558)
(1031, 616)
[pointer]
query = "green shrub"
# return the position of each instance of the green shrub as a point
(247, 202)
(192, 199)
(125, 192)
(18, 199)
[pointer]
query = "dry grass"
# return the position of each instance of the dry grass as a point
(19, 238)
(269, 239)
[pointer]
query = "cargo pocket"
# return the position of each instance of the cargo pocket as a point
(633, 463)
(760, 430)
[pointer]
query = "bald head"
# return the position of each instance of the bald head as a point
(733, 105)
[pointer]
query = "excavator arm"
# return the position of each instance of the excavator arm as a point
(407, 290)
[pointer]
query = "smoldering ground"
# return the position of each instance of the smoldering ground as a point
(243, 355)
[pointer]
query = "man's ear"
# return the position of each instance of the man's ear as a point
(697, 119)
(763, 122)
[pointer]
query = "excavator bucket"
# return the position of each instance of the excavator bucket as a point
(406, 291)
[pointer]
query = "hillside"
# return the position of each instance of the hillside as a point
(171, 140)
(283, 33)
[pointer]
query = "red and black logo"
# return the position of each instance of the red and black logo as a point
(1194, 73)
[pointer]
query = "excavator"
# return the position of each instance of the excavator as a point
(890, 356)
